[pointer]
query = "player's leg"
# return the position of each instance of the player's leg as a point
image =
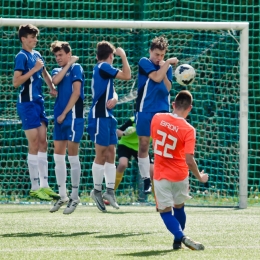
(33, 164)
(43, 162)
(60, 170)
(122, 165)
(98, 169)
(143, 121)
(180, 194)
(110, 167)
(74, 136)
(164, 201)
(124, 154)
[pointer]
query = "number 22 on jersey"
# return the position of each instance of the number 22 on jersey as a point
(164, 146)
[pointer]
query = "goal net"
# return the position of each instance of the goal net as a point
(217, 51)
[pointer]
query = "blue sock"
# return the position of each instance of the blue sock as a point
(180, 215)
(172, 225)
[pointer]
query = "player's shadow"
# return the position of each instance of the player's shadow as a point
(149, 253)
(48, 234)
(122, 235)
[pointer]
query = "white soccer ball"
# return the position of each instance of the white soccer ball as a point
(185, 74)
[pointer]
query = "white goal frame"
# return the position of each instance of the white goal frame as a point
(243, 27)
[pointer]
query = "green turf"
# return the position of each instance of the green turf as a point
(31, 232)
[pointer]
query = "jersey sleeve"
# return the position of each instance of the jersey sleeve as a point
(107, 71)
(146, 66)
(190, 140)
(54, 72)
(128, 123)
(169, 73)
(20, 62)
(77, 73)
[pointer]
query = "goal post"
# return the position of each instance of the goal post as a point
(243, 27)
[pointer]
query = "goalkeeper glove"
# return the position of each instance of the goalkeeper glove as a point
(129, 130)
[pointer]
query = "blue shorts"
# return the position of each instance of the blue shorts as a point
(31, 114)
(143, 123)
(69, 129)
(102, 130)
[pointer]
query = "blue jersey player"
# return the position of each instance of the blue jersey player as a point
(101, 123)
(68, 122)
(29, 72)
(154, 85)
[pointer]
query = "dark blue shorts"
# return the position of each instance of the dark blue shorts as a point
(102, 130)
(69, 129)
(31, 114)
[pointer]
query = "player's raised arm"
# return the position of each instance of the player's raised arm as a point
(125, 73)
(160, 74)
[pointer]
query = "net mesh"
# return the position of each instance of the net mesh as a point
(215, 113)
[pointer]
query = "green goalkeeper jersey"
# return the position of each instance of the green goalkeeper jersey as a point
(131, 141)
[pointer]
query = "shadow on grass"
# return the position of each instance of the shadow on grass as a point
(149, 253)
(48, 234)
(122, 235)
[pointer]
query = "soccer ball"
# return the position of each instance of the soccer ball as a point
(185, 74)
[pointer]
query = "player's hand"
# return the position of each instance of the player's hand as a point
(161, 63)
(53, 92)
(203, 177)
(38, 65)
(73, 59)
(111, 103)
(120, 52)
(129, 130)
(61, 118)
(173, 61)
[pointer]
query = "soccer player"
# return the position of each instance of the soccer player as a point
(154, 85)
(101, 123)
(174, 144)
(68, 122)
(127, 147)
(29, 72)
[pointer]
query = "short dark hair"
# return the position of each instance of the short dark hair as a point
(160, 43)
(26, 29)
(183, 100)
(104, 49)
(58, 46)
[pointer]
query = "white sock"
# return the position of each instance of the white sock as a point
(110, 175)
(144, 167)
(98, 175)
(32, 161)
(75, 175)
(61, 174)
(43, 169)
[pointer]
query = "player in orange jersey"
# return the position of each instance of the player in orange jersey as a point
(174, 143)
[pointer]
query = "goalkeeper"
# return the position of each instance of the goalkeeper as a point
(128, 147)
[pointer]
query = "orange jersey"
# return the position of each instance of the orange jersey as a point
(173, 137)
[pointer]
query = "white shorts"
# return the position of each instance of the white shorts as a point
(170, 193)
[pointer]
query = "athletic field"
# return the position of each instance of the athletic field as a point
(31, 232)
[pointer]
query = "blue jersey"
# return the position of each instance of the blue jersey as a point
(30, 90)
(152, 96)
(65, 89)
(102, 89)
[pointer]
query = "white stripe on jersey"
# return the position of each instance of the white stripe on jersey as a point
(72, 129)
(93, 94)
(97, 130)
(144, 95)
(30, 88)
(108, 87)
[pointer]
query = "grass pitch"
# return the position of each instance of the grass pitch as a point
(31, 232)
